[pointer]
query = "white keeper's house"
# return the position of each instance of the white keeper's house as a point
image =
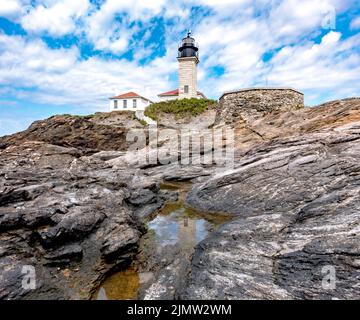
(129, 101)
(188, 58)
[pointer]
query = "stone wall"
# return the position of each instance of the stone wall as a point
(252, 103)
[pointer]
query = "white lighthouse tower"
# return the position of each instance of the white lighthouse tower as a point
(188, 58)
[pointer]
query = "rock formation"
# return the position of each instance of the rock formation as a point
(72, 217)
(73, 204)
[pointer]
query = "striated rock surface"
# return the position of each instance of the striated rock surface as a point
(296, 208)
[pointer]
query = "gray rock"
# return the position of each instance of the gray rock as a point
(293, 194)
(297, 214)
(117, 243)
(69, 221)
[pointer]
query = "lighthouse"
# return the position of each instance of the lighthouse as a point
(188, 58)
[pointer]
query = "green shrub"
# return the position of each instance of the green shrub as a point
(180, 108)
(89, 116)
(299, 106)
(143, 122)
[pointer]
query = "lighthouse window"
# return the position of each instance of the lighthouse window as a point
(125, 104)
(115, 104)
(134, 103)
(186, 89)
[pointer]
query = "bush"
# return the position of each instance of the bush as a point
(180, 108)
(67, 115)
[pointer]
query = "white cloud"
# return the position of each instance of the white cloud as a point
(331, 38)
(62, 78)
(112, 26)
(108, 27)
(329, 68)
(58, 18)
(239, 39)
(9, 8)
(236, 34)
(355, 24)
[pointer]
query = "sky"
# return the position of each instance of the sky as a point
(70, 56)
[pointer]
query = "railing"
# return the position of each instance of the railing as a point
(183, 54)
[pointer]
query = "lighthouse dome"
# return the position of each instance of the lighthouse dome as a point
(188, 47)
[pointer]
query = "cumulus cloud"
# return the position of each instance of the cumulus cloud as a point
(279, 42)
(273, 47)
(58, 18)
(111, 26)
(355, 24)
(9, 8)
(327, 65)
(61, 78)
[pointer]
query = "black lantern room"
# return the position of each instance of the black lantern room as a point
(188, 47)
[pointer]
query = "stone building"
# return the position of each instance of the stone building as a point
(254, 102)
(188, 58)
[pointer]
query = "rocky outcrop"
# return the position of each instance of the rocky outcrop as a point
(72, 205)
(122, 119)
(69, 217)
(69, 131)
(296, 210)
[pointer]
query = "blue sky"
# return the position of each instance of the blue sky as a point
(69, 56)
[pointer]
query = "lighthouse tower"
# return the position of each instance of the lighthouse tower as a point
(188, 57)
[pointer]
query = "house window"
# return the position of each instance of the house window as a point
(115, 104)
(134, 103)
(125, 104)
(186, 89)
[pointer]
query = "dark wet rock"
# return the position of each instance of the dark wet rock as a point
(141, 197)
(145, 201)
(69, 220)
(116, 243)
(73, 250)
(74, 226)
(23, 194)
(64, 255)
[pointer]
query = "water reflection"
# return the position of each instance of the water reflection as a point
(174, 225)
(177, 225)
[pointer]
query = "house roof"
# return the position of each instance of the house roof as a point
(175, 93)
(170, 93)
(129, 95)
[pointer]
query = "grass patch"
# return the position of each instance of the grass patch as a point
(299, 106)
(180, 108)
(89, 116)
